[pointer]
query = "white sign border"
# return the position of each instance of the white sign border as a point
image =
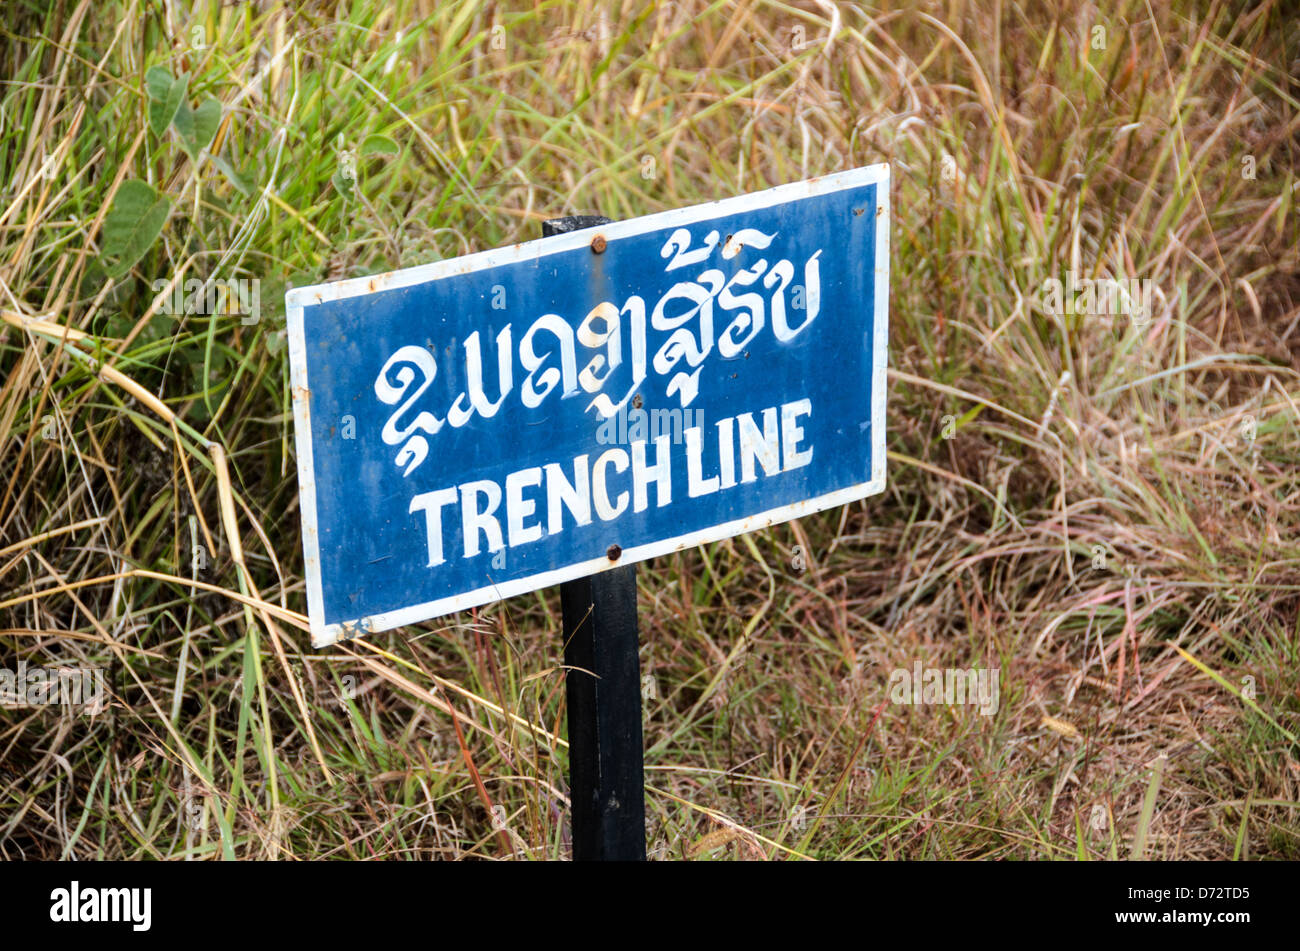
(298, 298)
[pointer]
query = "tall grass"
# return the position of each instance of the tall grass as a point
(1105, 510)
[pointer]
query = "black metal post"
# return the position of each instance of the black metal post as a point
(606, 777)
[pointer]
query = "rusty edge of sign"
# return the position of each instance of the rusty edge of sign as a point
(298, 298)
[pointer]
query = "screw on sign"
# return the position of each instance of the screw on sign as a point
(756, 325)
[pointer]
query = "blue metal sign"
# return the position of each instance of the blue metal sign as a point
(481, 427)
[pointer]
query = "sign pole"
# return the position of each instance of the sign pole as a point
(606, 778)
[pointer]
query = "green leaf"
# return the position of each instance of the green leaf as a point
(227, 169)
(342, 183)
(198, 126)
(132, 224)
(377, 144)
(163, 109)
(158, 82)
(207, 119)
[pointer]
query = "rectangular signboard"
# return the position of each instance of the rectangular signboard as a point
(477, 428)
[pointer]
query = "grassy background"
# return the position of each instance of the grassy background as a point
(1123, 543)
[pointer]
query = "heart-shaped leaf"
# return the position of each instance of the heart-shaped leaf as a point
(164, 108)
(132, 224)
(198, 126)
